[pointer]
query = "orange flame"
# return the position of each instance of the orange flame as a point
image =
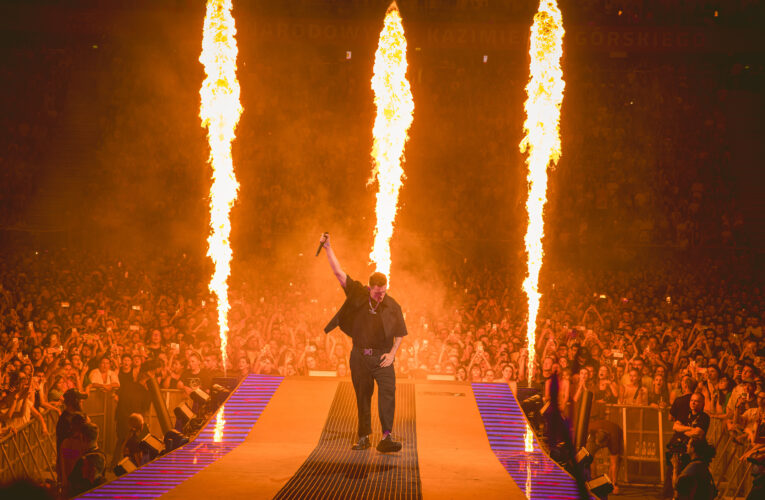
(220, 425)
(542, 143)
(220, 111)
(395, 107)
(528, 439)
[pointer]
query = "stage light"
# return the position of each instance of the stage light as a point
(125, 466)
(583, 457)
(151, 446)
(183, 416)
(219, 394)
(174, 439)
(199, 397)
(601, 486)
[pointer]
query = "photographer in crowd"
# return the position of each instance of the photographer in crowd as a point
(695, 482)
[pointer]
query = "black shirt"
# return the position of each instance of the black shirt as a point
(203, 379)
(357, 303)
(64, 426)
(368, 331)
(700, 420)
(681, 407)
(134, 440)
(78, 483)
(695, 481)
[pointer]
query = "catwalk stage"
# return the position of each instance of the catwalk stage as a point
(290, 438)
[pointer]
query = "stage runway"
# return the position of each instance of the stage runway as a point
(291, 438)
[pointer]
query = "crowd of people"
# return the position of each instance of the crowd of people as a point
(669, 335)
(66, 325)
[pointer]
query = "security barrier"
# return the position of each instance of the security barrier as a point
(101, 407)
(732, 475)
(29, 452)
(646, 430)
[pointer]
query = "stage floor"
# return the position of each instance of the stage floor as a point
(460, 441)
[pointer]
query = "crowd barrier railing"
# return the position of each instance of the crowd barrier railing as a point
(29, 452)
(731, 474)
(646, 430)
(101, 407)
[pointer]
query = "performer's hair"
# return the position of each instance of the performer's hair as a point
(377, 279)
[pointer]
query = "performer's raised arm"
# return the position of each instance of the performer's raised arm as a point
(333, 262)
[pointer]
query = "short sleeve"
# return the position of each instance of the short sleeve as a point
(704, 422)
(675, 408)
(353, 287)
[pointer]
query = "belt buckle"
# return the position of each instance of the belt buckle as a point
(368, 352)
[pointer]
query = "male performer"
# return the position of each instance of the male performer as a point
(375, 323)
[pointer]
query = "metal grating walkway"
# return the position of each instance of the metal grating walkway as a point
(334, 470)
(222, 434)
(536, 474)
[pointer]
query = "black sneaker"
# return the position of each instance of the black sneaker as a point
(363, 443)
(388, 445)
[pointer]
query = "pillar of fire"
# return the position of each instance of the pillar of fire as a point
(220, 110)
(542, 144)
(395, 108)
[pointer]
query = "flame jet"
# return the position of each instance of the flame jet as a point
(395, 109)
(542, 144)
(220, 111)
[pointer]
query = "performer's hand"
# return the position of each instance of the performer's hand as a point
(324, 240)
(387, 359)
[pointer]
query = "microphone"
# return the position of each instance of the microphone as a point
(321, 245)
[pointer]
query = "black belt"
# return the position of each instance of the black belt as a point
(370, 351)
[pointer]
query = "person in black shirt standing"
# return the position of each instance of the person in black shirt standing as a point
(691, 425)
(65, 426)
(376, 324)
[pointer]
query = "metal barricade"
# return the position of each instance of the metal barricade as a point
(646, 431)
(171, 398)
(732, 476)
(30, 453)
(99, 407)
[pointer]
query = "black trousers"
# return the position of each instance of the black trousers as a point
(365, 370)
